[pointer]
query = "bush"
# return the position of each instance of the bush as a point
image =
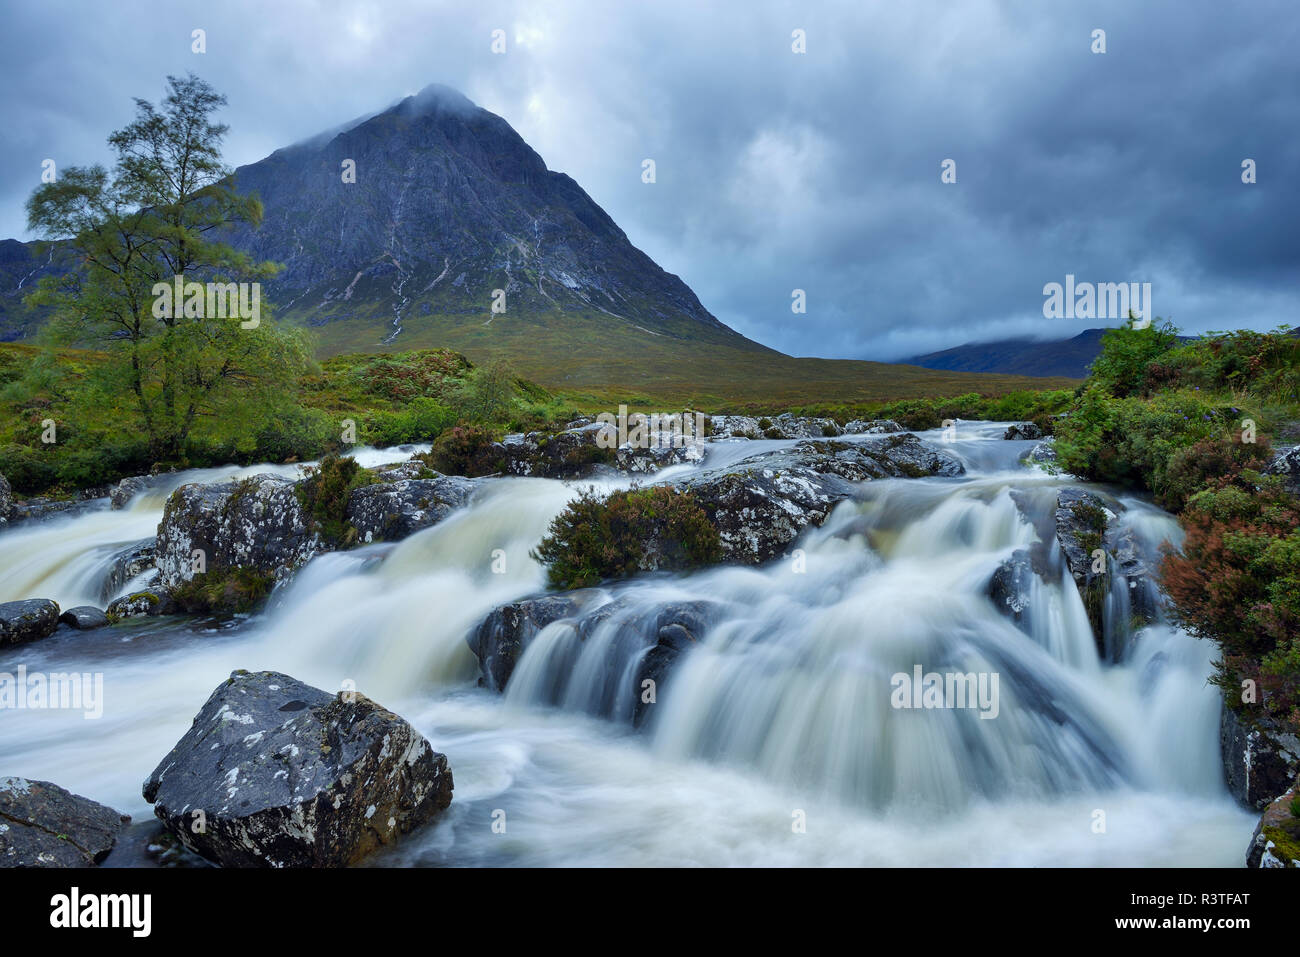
(1209, 462)
(1132, 441)
(467, 450)
(1126, 354)
(597, 538)
(1237, 581)
(28, 470)
(295, 433)
(324, 493)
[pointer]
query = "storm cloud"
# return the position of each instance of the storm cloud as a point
(777, 170)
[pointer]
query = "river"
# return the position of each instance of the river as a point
(774, 742)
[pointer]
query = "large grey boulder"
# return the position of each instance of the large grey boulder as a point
(1022, 431)
(871, 427)
(254, 522)
(29, 620)
(42, 825)
(762, 504)
(394, 510)
(276, 773)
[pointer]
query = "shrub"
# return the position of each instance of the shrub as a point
(28, 470)
(1126, 353)
(595, 538)
(1237, 580)
(468, 450)
(1209, 462)
(324, 493)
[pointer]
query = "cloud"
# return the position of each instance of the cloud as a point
(778, 170)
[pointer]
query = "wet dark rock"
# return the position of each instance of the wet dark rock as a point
(42, 825)
(1022, 431)
(126, 565)
(502, 636)
(37, 508)
(255, 522)
(29, 620)
(6, 501)
(281, 774)
(84, 618)
(395, 510)
(570, 454)
(1260, 760)
(1011, 586)
(761, 504)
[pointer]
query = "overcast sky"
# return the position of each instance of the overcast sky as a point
(777, 170)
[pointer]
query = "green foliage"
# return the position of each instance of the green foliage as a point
(920, 415)
(1132, 441)
(134, 230)
(224, 591)
(1126, 355)
(597, 538)
(324, 493)
(465, 450)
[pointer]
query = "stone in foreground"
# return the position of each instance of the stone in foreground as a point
(42, 825)
(84, 618)
(28, 620)
(276, 773)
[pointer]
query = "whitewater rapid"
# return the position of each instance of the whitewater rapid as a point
(781, 715)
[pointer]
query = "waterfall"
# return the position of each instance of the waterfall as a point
(783, 699)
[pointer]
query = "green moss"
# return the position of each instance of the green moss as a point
(225, 591)
(1286, 843)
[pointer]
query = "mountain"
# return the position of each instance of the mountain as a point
(1069, 358)
(449, 205)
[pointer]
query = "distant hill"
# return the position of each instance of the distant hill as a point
(1069, 358)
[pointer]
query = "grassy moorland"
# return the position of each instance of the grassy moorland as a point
(416, 396)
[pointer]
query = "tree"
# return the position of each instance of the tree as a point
(155, 217)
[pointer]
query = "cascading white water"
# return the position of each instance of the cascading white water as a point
(783, 707)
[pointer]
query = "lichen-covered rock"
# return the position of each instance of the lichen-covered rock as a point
(569, 454)
(502, 636)
(1043, 453)
(84, 618)
(1022, 431)
(783, 426)
(255, 522)
(391, 511)
(281, 774)
(156, 601)
(42, 825)
(1276, 841)
(1259, 759)
(761, 504)
(871, 427)
(6, 501)
(1286, 462)
(735, 427)
(29, 620)
(644, 461)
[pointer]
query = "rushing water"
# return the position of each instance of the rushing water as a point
(782, 713)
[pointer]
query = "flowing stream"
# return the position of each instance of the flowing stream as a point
(774, 741)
